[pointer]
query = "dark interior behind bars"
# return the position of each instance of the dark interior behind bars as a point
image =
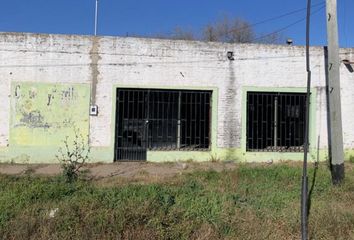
(150, 119)
(275, 121)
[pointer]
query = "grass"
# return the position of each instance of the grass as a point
(250, 202)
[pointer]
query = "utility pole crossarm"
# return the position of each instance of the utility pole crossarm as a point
(336, 152)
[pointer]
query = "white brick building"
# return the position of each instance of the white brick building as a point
(47, 83)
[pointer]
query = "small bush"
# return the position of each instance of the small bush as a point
(74, 156)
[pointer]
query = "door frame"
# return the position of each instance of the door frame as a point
(166, 155)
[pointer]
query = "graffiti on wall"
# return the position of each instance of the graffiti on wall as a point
(44, 114)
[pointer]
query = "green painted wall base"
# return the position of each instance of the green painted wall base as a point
(47, 154)
(28, 154)
(173, 156)
(105, 155)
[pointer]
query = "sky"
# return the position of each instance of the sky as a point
(142, 17)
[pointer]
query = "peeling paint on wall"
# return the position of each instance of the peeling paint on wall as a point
(44, 114)
(230, 130)
(95, 57)
(41, 112)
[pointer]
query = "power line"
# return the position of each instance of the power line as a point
(268, 19)
(286, 14)
(287, 26)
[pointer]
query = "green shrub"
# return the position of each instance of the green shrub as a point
(74, 156)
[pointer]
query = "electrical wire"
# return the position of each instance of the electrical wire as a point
(272, 18)
(286, 14)
(287, 26)
(254, 24)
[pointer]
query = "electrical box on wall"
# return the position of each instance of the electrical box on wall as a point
(93, 110)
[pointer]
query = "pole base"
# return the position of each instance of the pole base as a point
(337, 173)
(304, 208)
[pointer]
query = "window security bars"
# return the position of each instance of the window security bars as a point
(275, 121)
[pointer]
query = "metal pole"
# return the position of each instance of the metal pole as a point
(275, 123)
(96, 17)
(304, 187)
(335, 112)
(179, 122)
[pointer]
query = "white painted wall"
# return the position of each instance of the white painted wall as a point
(148, 63)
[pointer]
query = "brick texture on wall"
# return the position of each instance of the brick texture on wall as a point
(108, 62)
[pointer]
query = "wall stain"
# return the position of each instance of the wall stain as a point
(33, 119)
(95, 57)
(231, 132)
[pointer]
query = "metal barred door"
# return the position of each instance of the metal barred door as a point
(131, 124)
(160, 120)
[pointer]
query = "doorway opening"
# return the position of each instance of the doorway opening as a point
(161, 120)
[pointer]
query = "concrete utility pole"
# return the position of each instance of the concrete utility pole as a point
(336, 153)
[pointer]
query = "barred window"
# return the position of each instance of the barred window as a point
(275, 121)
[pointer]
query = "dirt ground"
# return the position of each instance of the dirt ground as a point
(123, 169)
